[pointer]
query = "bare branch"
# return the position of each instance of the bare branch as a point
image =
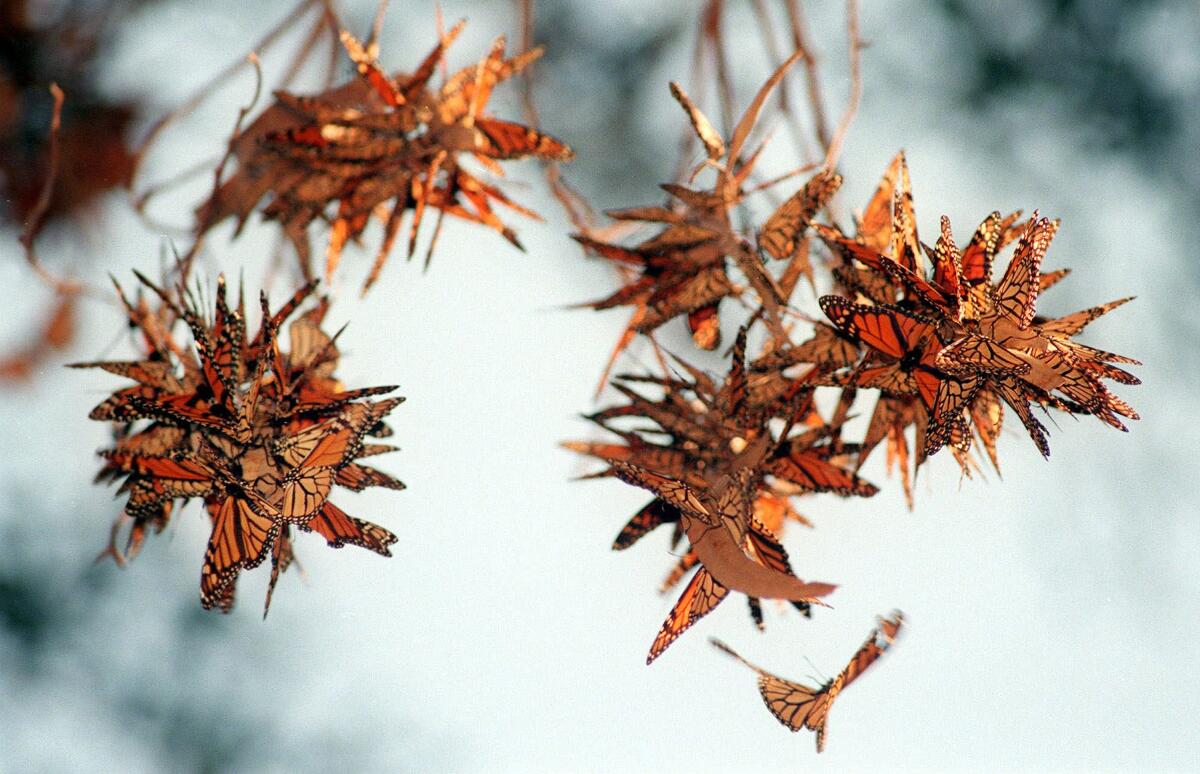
(799, 42)
(834, 149)
(185, 265)
(201, 94)
(33, 224)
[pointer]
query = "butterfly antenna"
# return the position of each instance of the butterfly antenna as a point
(819, 678)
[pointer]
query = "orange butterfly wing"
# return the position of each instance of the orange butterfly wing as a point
(1016, 295)
(240, 538)
(807, 470)
(340, 529)
(886, 329)
(508, 140)
(700, 598)
(655, 513)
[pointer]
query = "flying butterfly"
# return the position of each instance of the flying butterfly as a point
(800, 706)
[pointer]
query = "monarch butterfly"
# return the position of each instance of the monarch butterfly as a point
(898, 335)
(800, 706)
(701, 596)
(1071, 324)
(508, 140)
(703, 593)
(717, 532)
(241, 535)
(887, 226)
(973, 266)
(358, 477)
(809, 470)
(1016, 294)
(827, 346)
(671, 491)
(282, 557)
(920, 369)
(339, 529)
(303, 490)
(779, 235)
(652, 515)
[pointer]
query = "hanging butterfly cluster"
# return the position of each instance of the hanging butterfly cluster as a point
(259, 428)
(945, 350)
(260, 432)
(344, 154)
(716, 443)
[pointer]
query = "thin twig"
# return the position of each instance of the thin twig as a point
(193, 102)
(33, 224)
(835, 145)
(712, 28)
(376, 29)
(185, 264)
(297, 62)
(142, 200)
(775, 57)
(774, 181)
(579, 212)
(815, 100)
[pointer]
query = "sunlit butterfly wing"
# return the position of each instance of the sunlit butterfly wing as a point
(886, 329)
(780, 235)
(358, 477)
(1014, 396)
(1016, 294)
(507, 140)
(304, 491)
(339, 529)
(875, 225)
(827, 346)
(953, 398)
(673, 492)
(1072, 324)
(978, 354)
(240, 538)
(813, 474)
(699, 598)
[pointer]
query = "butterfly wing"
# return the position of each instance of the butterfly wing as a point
(1016, 295)
(886, 329)
(699, 598)
(340, 529)
(240, 538)
(653, 514)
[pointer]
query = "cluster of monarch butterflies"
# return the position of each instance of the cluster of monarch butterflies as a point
(946, 348)
(943, 349)
(258, 432)
(344, 154)
(257, 428)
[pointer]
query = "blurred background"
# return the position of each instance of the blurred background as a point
(1050, 612)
